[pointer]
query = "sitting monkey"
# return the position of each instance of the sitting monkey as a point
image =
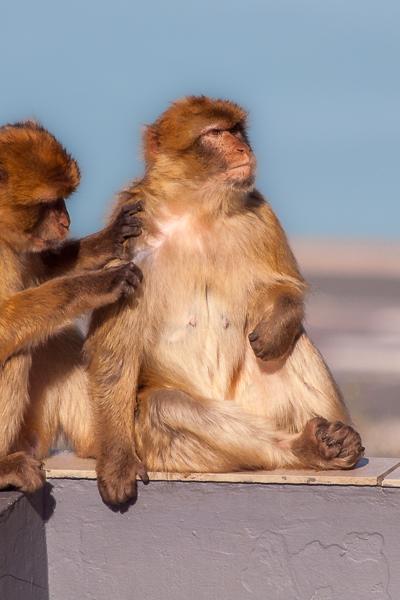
(46, 283)
(211, 358)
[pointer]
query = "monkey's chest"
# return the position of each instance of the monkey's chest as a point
(200, 327)
(197, 292)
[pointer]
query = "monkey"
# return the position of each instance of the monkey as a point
(46, 282)
(209, 368)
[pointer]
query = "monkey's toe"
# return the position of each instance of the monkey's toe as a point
(117, 491)
(24, 472)
(118, 484)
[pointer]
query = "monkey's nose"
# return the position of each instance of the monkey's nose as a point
(64, 225)
(65, 221)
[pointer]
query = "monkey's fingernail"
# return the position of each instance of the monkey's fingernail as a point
(134, 208)
(144, 476)
(253, 336)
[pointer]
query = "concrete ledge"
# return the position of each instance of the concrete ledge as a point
(232, 536)
(369, 471)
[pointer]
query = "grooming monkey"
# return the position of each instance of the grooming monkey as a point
(211, 358)
(45, 284)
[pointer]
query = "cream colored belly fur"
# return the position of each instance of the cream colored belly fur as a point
(202, 334)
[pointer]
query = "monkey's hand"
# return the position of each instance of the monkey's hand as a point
(117, 475)
(275, 334)
(271, 339)
(96, 250)
(125, 226)
(106, 286)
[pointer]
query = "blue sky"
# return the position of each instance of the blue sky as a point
(321, 80)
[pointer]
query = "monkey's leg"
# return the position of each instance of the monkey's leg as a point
(59, 396)
(17, 469)
(300, 396)
(114, 349)
(175, 432)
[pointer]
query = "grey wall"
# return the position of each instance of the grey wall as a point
(202, 541)
(225, 541)
(23, 554)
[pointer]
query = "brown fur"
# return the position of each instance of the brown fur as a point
(213, 353)
(49, 172)
(36, 174)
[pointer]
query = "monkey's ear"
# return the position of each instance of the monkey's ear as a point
(151, 143)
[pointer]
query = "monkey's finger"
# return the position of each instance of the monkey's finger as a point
(133, 208)
(108, 491)
(136, 270)
(338, 431)
(133, 280)
(336, 426)
(134, 233)
(127, 490)
(319, 423)
(259, 353)
(259, 348)
(131, 220)
(131, 230)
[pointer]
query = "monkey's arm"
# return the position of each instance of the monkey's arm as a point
(276, 312)
(276, 320)
(96, 250)
(31, 316)
(114, 348)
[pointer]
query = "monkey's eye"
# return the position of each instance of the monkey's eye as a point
(215, 131)
(236, 130)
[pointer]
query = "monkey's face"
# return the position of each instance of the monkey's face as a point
(220, 156)
(201, 142)
(224, 157)
(50, 225)
(43, 226)
(36, 174)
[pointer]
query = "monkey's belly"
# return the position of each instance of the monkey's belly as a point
(202, 345)
(215, 359)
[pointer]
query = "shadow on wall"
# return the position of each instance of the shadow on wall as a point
(23, 548)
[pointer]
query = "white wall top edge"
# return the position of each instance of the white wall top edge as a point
(369, 472)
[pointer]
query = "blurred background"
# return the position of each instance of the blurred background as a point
(321, 81)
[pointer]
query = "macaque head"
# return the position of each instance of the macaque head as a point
(36, 176)
(204, 141)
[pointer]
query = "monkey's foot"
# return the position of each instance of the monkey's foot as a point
(116, 478)
(22, 471)
(325, 445)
